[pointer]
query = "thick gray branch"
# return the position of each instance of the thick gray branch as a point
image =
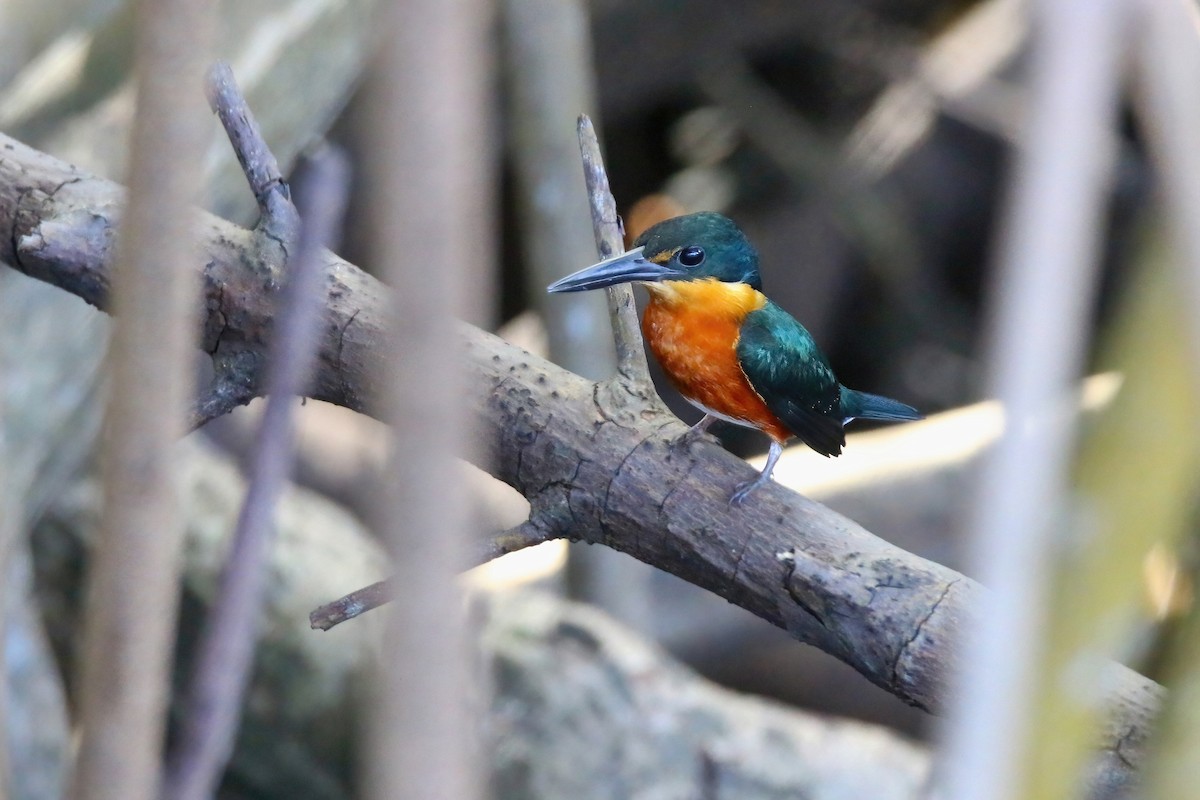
(595, 461)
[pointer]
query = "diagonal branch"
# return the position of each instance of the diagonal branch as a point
(355, 604)
(236, 372)
(222, 668)
(279, 218)
(594, 464)
(360, 601)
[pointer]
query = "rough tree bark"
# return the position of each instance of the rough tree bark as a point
(654, 728)
(596, 461)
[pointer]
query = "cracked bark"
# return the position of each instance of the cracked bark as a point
(596, 460)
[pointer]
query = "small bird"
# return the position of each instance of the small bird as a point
(729, 350)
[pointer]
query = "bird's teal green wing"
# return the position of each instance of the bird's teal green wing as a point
(789, 372)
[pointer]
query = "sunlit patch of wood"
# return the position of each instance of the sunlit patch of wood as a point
(1169, 589)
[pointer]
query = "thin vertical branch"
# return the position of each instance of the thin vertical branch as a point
(1168, 64)
(606, 225)
(619, 585)
(278, 215)
(8, 536)
(1168, 71)
(133, 583)
(551, 77)
(548, 61)
(222, 668)
(1039, 317)
(429, 189)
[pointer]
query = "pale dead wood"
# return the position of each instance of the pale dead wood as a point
(1039, 309)
(547, 62)
(133, 581)
(429, 198)
(8, 539)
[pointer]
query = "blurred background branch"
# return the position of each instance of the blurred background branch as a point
(1037, 340)
(430, 201)
(9, 527)
(133, 581)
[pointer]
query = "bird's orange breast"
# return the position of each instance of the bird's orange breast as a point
(692, 328)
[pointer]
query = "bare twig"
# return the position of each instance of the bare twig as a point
(222, 668)
(606, 225)
(551, 79)
(226, 392)
(621, 588)
(236, 379)
(527, 534)
(1168, 63)
(279, 218)
(352, 605)
(133, 584)
(1039, 323)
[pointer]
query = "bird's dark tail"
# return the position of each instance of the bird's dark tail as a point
(872, 406)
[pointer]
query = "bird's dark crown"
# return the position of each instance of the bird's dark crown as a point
(702, 245)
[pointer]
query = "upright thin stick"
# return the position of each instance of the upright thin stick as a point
(1168, 66)
(548, 62)
(1039, 316)
(627, 334)
(430, 185)
(8, 535)
(621, 586)
(277, 213)
(222, 669)
(1168, 62)
(133, 583)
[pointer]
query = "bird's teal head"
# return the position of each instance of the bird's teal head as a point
(693, 247)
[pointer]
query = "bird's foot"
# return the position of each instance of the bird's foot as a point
(694, 433)
(686, 439)
(744, 490)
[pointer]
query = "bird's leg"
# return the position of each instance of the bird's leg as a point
(696, 431)
(744, 489)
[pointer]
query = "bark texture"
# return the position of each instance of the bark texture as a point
(580, 708)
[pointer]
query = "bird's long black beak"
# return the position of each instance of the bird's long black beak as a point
(629, 266)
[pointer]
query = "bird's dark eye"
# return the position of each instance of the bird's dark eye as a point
(691, 256)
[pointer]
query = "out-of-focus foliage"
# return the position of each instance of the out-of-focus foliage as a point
(297, 62)
(1136, 480)
(1173, 769)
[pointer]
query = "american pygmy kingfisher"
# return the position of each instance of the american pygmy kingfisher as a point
(729, 350)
